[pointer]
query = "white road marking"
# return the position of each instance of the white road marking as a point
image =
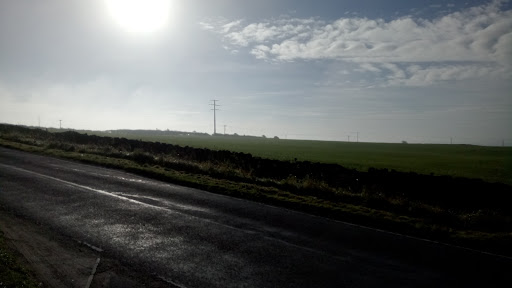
(116, 195)
(89, 281)
(254, 232)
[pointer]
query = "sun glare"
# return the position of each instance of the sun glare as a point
(140, 16)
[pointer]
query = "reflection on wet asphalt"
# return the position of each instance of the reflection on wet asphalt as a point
(198, 239)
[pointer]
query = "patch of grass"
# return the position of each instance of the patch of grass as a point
(12, 272)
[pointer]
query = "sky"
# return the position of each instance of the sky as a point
(369, 70)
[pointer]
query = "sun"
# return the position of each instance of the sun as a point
(140, 16)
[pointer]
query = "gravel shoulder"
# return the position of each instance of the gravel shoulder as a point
(57, 261)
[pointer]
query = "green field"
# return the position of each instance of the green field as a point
(493, 164)
(459, 211)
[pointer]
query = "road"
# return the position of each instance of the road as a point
(193, 238)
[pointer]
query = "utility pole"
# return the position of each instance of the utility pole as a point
(60, 124)
(214, 116)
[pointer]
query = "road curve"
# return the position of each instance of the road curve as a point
(193, 238)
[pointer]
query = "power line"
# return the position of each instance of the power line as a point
(214, 115)
(357, 136)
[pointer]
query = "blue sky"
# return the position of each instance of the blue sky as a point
(385, 71)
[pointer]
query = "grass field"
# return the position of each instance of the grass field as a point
(492, 164)
(460, 211)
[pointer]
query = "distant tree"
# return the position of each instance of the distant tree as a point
(404, 142)
(235, 134)
(263, 136)
(275, 137)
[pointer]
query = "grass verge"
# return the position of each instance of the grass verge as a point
(12, 272)
(492, 164)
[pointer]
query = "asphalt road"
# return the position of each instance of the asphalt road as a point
(193, 238)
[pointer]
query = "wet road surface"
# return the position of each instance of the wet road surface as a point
(192, 238)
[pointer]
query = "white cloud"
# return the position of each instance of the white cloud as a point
(226, 27)
(260, 51)
(475, 41)
(207, 26)
(415, 75)
(369, 67)
(397, 72)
